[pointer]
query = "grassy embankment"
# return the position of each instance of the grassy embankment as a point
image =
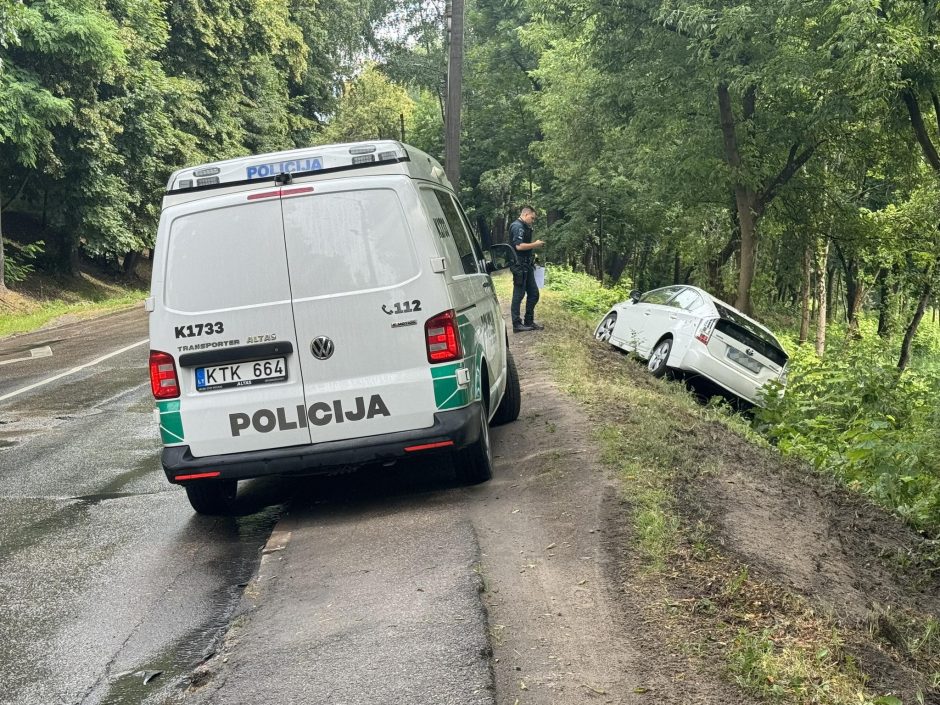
(771, 642)
(41, 300)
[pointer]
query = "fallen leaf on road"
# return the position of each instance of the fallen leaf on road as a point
(150, 675)
(593, 689)
(523, 686)
(550, 546)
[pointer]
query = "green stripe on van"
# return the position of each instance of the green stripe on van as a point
(447, 393)
(171, 422)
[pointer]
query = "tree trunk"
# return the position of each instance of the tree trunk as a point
(821, 291)
(677, 269)
(915, 322)
(806, 302)
(3, 280)
(884, 310)
(745, 199)
(834, 278)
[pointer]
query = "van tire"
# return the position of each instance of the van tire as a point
(213, 498)
(509, 407)
(474, 464)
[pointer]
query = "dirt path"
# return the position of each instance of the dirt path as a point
(567, 625)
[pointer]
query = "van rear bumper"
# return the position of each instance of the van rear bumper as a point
(460, 427)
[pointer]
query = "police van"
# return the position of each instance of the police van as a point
(321, 309)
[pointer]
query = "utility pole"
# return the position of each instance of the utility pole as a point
(454, 92)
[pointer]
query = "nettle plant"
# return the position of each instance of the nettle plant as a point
(855, 415)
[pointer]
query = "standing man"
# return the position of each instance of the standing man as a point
(523, 273)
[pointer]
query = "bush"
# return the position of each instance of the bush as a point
(855, 415)
(583, 294)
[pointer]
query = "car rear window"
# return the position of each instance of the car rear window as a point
(347, 241)
(751, 335)
(226, 258)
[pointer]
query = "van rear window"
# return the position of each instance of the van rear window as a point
(226, 258)
(347, 241)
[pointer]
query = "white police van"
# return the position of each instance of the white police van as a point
(322, 309)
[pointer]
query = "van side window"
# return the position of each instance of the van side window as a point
(468, 256)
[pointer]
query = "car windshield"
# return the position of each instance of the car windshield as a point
(749, 333)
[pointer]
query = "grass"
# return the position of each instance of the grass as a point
(44, 299)
(772, 644)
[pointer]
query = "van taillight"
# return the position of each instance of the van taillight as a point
(163, 381)
(705, 330)
(443, 338)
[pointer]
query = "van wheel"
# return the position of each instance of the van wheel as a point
(508, 409)
(474, 464)
(213, 498)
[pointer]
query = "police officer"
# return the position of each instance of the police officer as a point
(523, 272)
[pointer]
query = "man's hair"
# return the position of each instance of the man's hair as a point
(528, 209)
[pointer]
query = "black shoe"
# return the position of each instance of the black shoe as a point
(520, 328)
(535, 326)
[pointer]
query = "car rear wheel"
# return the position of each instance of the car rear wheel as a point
(474, 464)
(509, 407)
(216, 498)
(606, 328)
(659, 356)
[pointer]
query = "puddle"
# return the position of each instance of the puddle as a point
(177, 661)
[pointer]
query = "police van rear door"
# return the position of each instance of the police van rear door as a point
(225, 316)
(363, 291)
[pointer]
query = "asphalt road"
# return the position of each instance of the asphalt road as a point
(105, 571)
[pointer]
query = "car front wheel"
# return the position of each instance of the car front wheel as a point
(657, 361)
(606, 328)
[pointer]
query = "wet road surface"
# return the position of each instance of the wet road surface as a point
(105, 572)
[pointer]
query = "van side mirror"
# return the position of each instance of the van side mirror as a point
(499, 256)
(635, 296)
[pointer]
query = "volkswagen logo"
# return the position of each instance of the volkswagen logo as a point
(322, 347)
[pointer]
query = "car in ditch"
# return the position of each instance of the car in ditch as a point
(686, 328)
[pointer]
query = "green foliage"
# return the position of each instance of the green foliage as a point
(372, 107)
(583, 294)
(855, 415)
(19, 260)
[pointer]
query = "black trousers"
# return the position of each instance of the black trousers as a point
(523, 285)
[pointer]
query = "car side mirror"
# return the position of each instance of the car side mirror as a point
(635, 296)
(498, 257)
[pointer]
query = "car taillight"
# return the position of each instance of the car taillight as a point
(443, 338)
(163, 380)
(705, 330)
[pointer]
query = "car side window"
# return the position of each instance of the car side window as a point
(468, 257)
(658, 296)
(687, 299)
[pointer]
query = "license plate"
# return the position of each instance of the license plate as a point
(746, 362)
(241, 374)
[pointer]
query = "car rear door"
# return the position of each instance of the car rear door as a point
(362, 289)
(225, 315)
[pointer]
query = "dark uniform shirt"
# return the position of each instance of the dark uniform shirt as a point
(520, 232)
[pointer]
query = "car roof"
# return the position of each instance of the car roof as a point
(715, 301)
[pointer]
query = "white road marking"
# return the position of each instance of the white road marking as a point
(34, 354)
(94, 362)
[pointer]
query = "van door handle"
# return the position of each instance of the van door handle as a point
(487, 283)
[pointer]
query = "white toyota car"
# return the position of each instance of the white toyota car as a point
(686, 328)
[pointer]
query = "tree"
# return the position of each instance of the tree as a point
(371, 108)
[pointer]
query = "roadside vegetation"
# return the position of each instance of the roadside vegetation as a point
(42, 300)
(669, 449)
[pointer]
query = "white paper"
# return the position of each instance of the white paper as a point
(540, 277)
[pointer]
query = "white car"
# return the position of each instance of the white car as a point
(685, 328)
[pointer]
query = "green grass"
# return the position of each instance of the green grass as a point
(83, 297)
